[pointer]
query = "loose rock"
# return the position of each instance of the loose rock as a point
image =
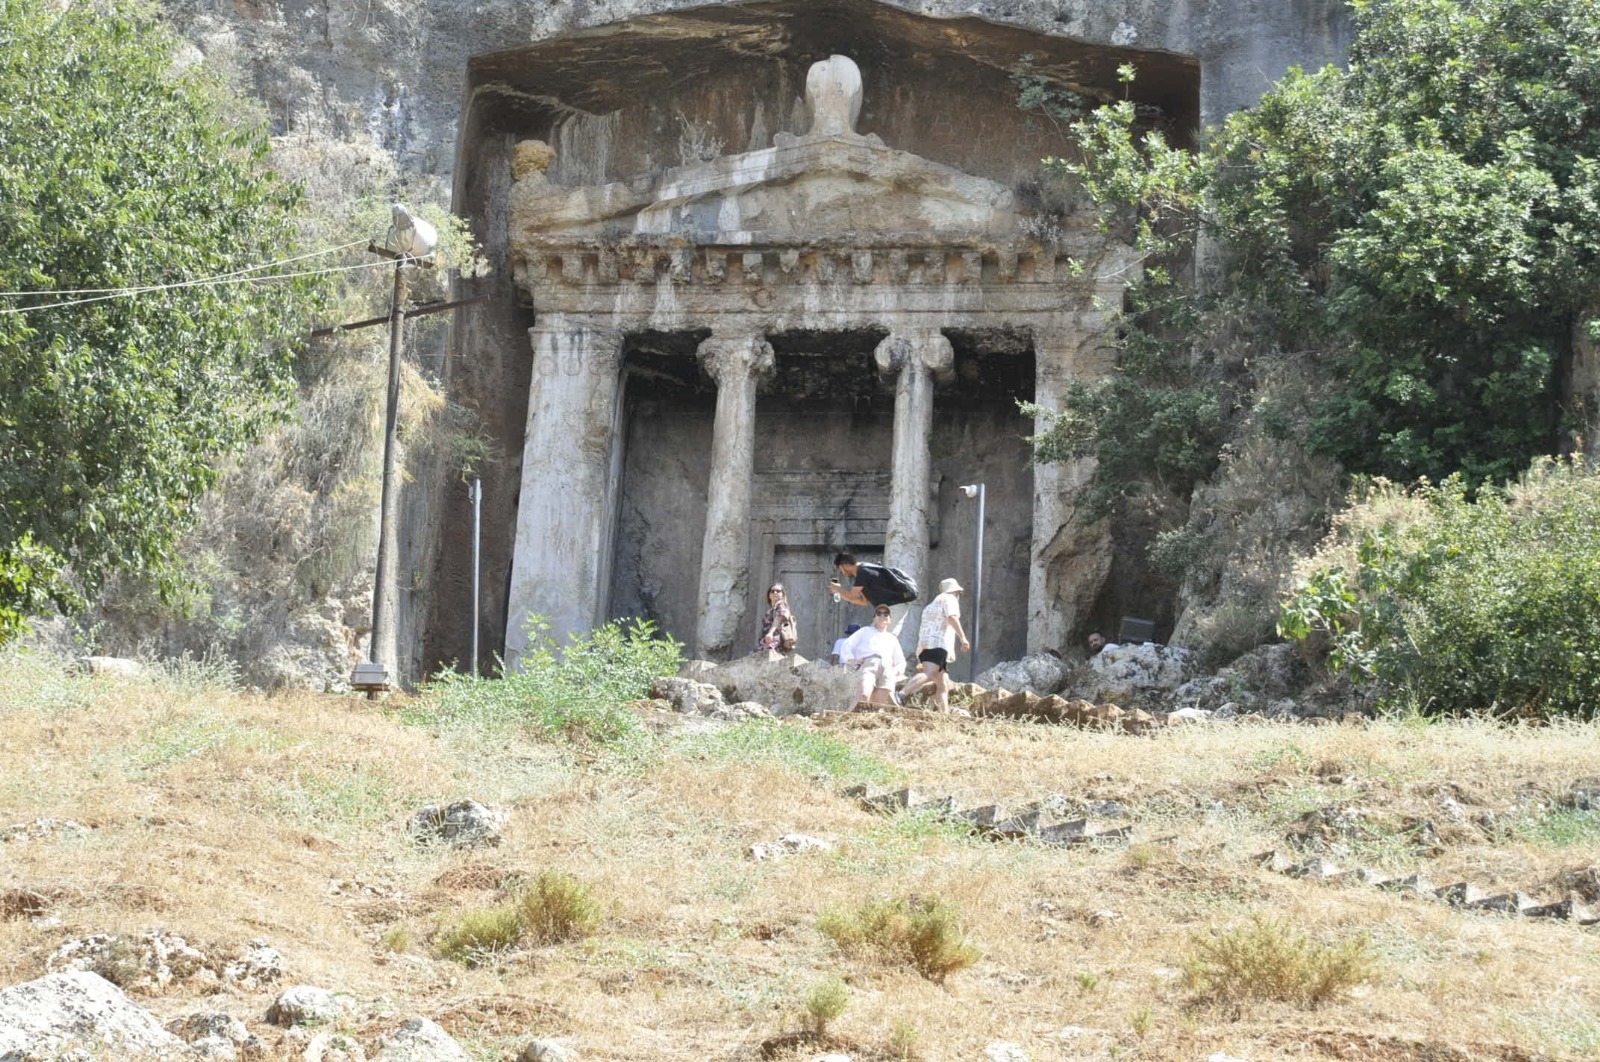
(464, 824)
(145, 962)
(40, 829)
(1041, 673)
(259, 966)
(548, 1051)
(1004, 1051)
(420, 1040)
(304, 1005)
(216, 1035)
(789, 844)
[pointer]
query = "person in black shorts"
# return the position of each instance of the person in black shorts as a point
(937, 638)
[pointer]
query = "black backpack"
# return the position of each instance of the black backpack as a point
(903, 588)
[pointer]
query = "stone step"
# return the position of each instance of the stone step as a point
(1506, 903)
(1412, 885)
(1462, 894)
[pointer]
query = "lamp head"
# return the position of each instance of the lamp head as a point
(412, 235)
(971, 489)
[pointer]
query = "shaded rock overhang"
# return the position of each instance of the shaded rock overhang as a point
(606, 68)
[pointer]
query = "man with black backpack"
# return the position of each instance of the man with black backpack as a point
(876, 585)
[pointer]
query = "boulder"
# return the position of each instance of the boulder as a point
(260, 965)
(146, 962)
(420, 1040)
(62, 1014)
(215, 1035)
(114, 666)
(548, 1051)
(1040, 673)
(464, 824)
(333, 1047)
(687, 696)
(1263, 677)
(786, 685)
(304, 1005)
(1146, 673)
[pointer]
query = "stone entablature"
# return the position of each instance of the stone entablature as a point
(830, 231)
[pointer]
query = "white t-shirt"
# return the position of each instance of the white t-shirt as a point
(869, 641)
(935, 633)
(838, 650)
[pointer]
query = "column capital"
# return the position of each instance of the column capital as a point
(928, 350)
(730, 356)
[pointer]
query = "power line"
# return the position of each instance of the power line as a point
(182, 283)
(215, 282)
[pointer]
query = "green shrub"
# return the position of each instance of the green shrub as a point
(1458, 603)
(575, 694)
(558, 907)
(555, 907)
(481, 934)
(825, 1002)
(1267, 960)
(924, 933)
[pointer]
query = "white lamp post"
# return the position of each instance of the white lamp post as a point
(975, 490)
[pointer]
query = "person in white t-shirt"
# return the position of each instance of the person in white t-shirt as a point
(936, 643)
(837, 656)
(876, 657)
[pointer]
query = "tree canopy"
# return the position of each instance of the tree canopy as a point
(1420, 230)
(122, 168)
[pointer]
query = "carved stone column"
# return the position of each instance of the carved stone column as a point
(917, 358)
(738, 363)
(567, 504)
(1070, 559)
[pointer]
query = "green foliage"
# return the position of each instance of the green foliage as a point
(922, 932)
(1170, 434)
(801, 750)
(577, 694)
(118, 169)
(480, 935)
(1561, 827)
(825, 1002)
(1268, 960)
(1421, 232)
(558, 907)
(1457, 603)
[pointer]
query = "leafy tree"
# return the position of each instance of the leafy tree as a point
(1450, 604)
(121, 168)
(1421, 231)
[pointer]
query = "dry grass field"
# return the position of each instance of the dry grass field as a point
(227, 817)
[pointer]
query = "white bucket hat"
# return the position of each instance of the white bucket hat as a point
(950, 586)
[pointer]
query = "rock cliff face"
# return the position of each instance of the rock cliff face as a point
(624, 87)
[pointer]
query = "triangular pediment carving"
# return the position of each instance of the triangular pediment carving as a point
(828, 185)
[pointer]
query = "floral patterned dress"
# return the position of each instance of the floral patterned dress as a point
(783, 641)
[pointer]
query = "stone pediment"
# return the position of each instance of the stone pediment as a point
(816, 189)
(828, 186)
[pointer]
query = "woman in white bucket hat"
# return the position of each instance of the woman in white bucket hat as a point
(936, 643)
